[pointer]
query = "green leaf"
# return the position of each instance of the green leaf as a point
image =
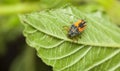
(97, 48)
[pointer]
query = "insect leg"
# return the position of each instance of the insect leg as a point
(66, 28)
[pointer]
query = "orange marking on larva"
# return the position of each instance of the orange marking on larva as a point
(81, 29)
(77, 23)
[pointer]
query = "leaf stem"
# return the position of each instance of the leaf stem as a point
(18, 8)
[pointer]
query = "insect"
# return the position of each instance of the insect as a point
(76, 29)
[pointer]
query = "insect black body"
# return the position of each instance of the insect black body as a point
(73, 31)
(76, 28)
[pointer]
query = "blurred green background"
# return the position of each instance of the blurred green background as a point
(15, 55)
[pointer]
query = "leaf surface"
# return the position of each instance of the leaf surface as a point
(97, 48)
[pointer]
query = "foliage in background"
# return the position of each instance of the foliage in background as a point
(8, 31)
(25, 61)
(112, 7)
